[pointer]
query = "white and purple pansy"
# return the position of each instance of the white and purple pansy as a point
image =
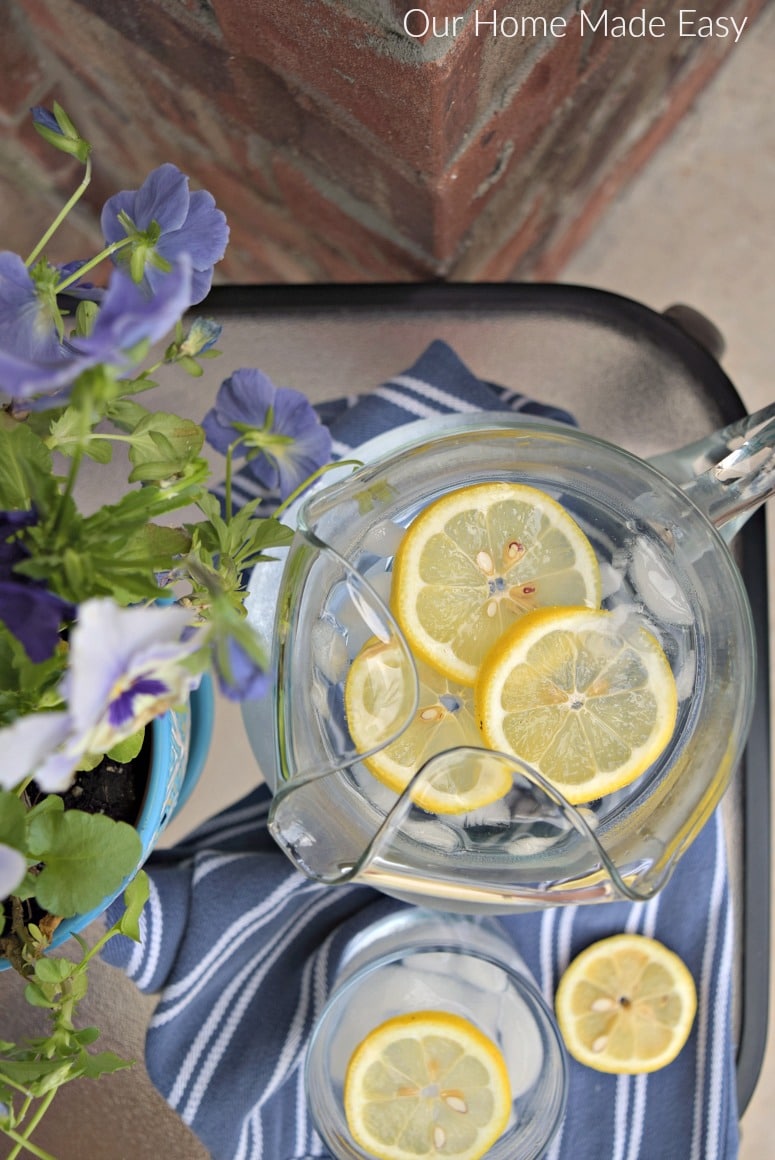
(126, 667)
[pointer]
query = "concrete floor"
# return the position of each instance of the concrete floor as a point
(695, 227)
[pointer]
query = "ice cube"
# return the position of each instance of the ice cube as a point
(383, 539)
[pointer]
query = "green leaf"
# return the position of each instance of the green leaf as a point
(267, 533)
(67, 435)
(135, 898)
(162, 544)
(54, 970)
(136, 385)
(72, 142)
(51, 804)
(79, 983)
(162, 445)
(88, 762)
(125, 413)
(13, 818)
(27, 887)
(103, 1063)
(115, 552)
(37, 997)
(25, 470)
(30, 1073)
(190, 366)
(210, 507)
(67, 1070)
(87, 1035)
(26, 686)
(126, 750)
(75, 569)
(86, 858)
(85, 316)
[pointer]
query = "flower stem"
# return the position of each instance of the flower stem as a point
(76, 197)
(72, 475)
(311, 479)
(75, 464)
(90, 952)
(95, 261)
(23, 1141)
(228, 479)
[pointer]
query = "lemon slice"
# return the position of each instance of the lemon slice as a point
(478, 558)
(585, 698)
(378, 700)
(427, 1084)
(626, 1005)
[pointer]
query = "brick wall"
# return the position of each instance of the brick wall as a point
(343, 138)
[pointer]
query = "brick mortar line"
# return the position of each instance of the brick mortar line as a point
(359, 211)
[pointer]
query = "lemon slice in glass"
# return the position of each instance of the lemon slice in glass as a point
(378, 701)
(478, 558)
(584, 696)
(626, 1005)
(427, 1084)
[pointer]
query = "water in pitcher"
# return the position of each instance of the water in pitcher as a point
(640, 583)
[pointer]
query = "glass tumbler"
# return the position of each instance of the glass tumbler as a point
(420, 960)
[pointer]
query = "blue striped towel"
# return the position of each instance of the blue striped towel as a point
(243, 949)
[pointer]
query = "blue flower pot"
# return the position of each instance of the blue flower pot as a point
(181, 739)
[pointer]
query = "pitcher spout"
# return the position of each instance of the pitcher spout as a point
(526, 848)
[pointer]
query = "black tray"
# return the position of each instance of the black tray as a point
(648, 384)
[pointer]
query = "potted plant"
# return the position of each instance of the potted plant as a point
(110, 619)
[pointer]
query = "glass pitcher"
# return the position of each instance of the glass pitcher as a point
(659, 531)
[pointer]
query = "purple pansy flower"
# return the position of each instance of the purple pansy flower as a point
(166, 220)
(129, 315)
(240, 676)
(127, 666)
(27, 321)
(281, 433)
(28, 609)
(77, 290)
(33, 360)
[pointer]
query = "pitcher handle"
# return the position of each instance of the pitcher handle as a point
(729, 473)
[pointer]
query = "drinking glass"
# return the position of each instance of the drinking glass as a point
(419, 960)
